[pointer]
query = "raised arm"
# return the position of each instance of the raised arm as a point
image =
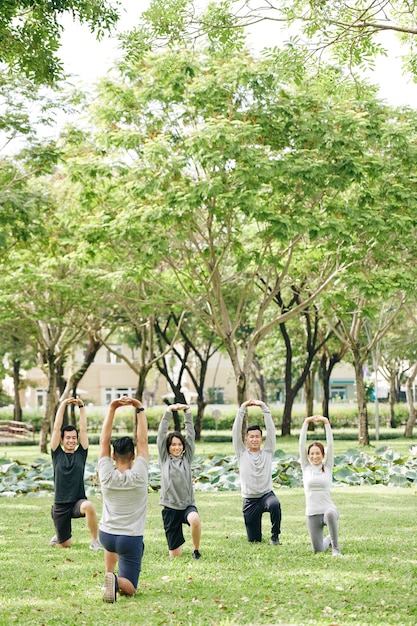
(302, 443)
(162, 434)
(59, 418)
(270, 439)
(164, 425)
(106, 429)
(83, 438)
(142, 446)
(316, 419)
(329, 444)
(189, 430)
(238, 444)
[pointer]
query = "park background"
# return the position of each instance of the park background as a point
(212, 196)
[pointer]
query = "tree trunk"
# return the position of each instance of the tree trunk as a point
(260, 379)
(198, 426)
(309, 391)
(325, 381)
(50, 408)
(327, 365)
(410, 400)
(363, 429)
(392, 400)
(241, 388)
(17, 409)
(287, 412)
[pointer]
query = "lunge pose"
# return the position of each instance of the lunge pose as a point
(317, 466)
(255, 468)
(68, 461)
(124, 486)
(177, 493)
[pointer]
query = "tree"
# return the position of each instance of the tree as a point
(299, 365)
(332, 353)
(410, 400)
(352, 33)
(241, 190)
(193, 351)
(241, 177)
(30, 32)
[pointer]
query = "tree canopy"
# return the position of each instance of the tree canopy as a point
(30, 32)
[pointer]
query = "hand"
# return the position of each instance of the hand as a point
(253, 403)
(125, 401)
(72, 400)
(316, 419)
(178, 407)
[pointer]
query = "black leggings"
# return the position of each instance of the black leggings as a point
(253, 508)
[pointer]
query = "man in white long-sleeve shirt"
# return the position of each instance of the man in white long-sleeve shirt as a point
(255, 468)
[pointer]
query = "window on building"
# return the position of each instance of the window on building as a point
(112, 393)
(40, 398)
(215, 395)
(114, 358)
(338, 392)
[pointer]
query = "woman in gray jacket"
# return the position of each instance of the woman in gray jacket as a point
(177, 493)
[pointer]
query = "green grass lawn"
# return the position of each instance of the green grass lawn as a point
(234, 582)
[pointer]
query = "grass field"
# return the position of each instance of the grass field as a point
(375, 582)
(234, 582)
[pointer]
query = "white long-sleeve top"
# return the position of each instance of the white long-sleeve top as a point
(317, 484)
(255, 468)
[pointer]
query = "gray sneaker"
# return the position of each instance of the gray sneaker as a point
(96, 545)
(54, 541)
(110, 588)
(336, 552)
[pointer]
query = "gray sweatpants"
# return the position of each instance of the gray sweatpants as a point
(315, 525)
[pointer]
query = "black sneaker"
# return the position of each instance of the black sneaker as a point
(275, 541)
(110, 587)
(196, 554)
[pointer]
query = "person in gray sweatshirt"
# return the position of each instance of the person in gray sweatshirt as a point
(177, 492)
(255, 469)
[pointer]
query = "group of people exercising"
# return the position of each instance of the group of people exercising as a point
(123, 476)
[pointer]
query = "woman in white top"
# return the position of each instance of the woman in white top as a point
(317, 466)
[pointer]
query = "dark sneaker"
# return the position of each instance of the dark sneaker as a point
(196, 554)
(275, 541)
(110, 588)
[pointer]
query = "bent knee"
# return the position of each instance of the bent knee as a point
(194, 519)
(87, 507)
(331, 515)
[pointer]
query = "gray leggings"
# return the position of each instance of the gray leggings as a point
(315, 525)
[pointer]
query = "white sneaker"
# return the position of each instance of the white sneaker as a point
(336, 552)
(96, 545)
(110, 588)
(54, 541)
(327, 542)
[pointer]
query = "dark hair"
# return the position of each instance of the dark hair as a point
(254, 427)
(123, 448)
(170, 437)
(68, 428)
(320, 446)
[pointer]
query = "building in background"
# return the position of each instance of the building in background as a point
(110, 377)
